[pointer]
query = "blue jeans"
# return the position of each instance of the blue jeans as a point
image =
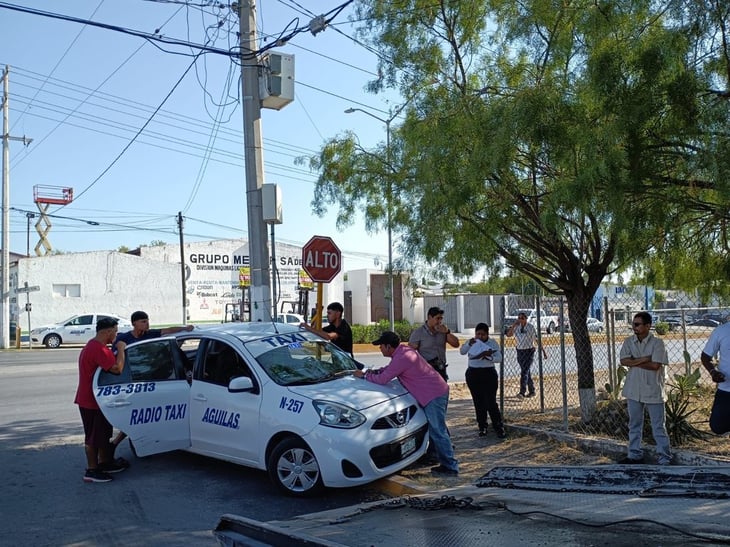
(658, 430)
(436, 416)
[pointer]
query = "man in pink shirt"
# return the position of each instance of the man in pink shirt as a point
(426, 385)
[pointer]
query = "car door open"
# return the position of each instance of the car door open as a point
(149, 400)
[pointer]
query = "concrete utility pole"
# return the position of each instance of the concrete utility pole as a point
(5, 266)
(260, 304)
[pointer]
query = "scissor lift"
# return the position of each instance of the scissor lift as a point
(44, 197)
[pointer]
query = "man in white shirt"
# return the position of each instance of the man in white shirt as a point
(646, 358)
(719, 341)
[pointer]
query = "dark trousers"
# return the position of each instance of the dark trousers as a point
(482, 384)
(720, 415)
(525, 358)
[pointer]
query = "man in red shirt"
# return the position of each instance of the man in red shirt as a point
(97, 430)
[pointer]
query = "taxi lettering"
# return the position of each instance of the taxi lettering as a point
(175, 412)
(221, 417)
(292, 405)
(284, 339)
(145, 415)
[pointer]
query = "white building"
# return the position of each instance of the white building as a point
(151, 279)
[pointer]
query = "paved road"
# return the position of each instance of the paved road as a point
(169, 499)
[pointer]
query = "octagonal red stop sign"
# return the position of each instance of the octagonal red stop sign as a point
(321, 259)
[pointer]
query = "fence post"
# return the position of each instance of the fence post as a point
(563, 374)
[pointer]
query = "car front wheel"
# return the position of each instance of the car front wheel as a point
(294, 469)
(52, 341)
(551, 328)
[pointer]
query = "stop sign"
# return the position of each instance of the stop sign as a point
(321, 259)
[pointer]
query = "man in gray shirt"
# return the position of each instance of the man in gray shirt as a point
(430, 340)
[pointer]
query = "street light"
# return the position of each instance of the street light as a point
(388, 201)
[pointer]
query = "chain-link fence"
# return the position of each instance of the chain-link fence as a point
(578, 377)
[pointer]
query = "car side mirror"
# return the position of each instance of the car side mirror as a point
(240, 384)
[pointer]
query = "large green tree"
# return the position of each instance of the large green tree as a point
(554, 137)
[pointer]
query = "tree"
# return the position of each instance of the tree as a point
(547, 145)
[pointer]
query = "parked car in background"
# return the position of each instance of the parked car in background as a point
(290, 318)
(707, 323)
(77, 329)
(594, 325)
(548, 322)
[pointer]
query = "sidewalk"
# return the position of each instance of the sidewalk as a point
(538, 489)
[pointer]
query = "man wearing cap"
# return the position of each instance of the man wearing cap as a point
(431, 339)
(141, 331)
(426, 385)
(97, 429)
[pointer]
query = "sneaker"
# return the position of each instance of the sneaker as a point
(501, 434)
(116, 466)
(443, 470)
(531, 394)
(482, 432)
(96, 475)
(631, 461)
(521, 395)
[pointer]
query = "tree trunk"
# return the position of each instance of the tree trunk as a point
(578, 312)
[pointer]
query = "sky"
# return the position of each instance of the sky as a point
(139, 139)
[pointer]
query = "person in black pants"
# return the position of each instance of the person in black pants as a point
(482, 378)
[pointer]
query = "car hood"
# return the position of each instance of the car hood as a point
(354, 392)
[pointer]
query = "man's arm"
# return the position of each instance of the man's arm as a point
(173, 330)
(319, 332)
(119, 364)
(414, 340)
(717, 376)
(640, 362)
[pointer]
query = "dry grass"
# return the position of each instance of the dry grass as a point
(477, 455)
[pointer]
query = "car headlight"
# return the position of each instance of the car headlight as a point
(38, 331)
(337, 415)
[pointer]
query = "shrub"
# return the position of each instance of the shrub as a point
(365, 334)
(661, 327)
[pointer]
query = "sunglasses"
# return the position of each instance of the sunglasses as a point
(639, 324)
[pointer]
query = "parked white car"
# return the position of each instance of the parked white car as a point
(77, 329)
(265, 395)
(290, 318)
(594, 325)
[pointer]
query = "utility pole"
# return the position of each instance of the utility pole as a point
(260, 302)
(5, 266)
(182, 269)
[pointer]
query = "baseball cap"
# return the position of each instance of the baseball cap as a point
(388, 338)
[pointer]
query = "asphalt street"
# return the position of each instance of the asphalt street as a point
(170, 499)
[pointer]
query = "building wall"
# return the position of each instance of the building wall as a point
(120, 283)
(360, 282)
(99, 281)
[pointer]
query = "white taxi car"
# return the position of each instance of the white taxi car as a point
(77, 329)
(264, 395)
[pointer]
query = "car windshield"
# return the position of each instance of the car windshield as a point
(299, 362)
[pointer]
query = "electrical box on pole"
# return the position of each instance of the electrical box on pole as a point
(276, 80)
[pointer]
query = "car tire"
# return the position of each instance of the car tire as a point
(294, 469)
(551, 328)
(52, 341)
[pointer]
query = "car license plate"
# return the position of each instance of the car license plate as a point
(407, 446)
